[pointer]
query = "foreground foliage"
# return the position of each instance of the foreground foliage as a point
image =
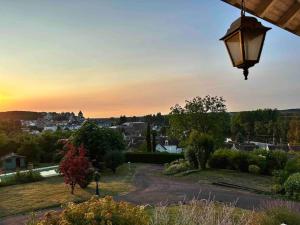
(106, 211)
(21, 178)
(97, 211)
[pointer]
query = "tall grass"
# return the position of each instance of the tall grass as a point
(201, 212)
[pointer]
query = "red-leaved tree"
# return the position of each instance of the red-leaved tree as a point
(74, 165)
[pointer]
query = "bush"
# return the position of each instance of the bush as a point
(280, 215)
(222, 159)
(113, 159)
(292, 185)
(259, 160)
(202, 145)
(190, 156)
(98, 211)
(177, 166)
(293, 165)
(152, 157)
(241, 161)
(277, 189)
(254, 169)
(280, 176)
(276, 160)
(22, 177)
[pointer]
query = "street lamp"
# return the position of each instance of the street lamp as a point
(244, 41)
(97, 179)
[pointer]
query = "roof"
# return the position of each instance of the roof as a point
(285, 14)
(11, 155)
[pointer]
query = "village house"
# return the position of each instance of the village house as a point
(12, 161)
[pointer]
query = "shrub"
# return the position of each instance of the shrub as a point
(176, 167)
(190, 156)
(259, 160)
(277, 189)
(293, 165)
(276, 160)
(222, 159)
(241, 161)
(98, 211)
(280, 176)
(254, 169)
(280, 215)
(21, 177)
(202, 145)
(152, 157)
(292, 185)
(113, 159)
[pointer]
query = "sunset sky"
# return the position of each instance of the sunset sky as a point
(134, 57)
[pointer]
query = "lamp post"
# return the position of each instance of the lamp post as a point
(97, 179)
(244, 41)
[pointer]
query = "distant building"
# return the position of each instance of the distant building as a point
(50, 128)
(168, 148)
(12, 161)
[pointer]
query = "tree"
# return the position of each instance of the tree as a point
(148, 137)
(30, 149)
(154, 134)
(98, 141)
(48, 144)
(294, 131)
(113, 159)
(122, 119)
(74, 166)
(202, 146)
(205, 115)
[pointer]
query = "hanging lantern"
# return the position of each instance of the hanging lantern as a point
(244, 41)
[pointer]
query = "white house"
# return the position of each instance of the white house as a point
(168, 148)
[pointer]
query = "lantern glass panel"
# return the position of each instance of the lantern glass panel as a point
(233, 44)
(253, 41)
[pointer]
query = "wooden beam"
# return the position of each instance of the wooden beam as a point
(263, 7)
(289, 14)
(297, 30)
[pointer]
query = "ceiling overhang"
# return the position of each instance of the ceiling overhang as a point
(282, 13)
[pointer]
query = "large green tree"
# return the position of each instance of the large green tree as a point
(98, 141)
(259, 125)
(205, 115)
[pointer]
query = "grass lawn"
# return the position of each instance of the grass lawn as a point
(208, 176)
(53, 192)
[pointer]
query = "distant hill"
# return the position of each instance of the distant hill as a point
(28, 115)
(290, 111)
(20, 115)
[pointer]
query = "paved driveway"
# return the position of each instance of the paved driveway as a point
(152, 188)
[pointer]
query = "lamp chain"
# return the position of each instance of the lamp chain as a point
(243, 8)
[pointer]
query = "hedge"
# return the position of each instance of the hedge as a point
(150, 157)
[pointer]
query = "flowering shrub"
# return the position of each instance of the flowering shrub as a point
(292, 185)
(102, 211)
(176, 167)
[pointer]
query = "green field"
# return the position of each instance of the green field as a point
(53, 192)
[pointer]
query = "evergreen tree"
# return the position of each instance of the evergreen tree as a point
(154, 134)
(148, 137)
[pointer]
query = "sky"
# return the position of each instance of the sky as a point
(134, 57)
